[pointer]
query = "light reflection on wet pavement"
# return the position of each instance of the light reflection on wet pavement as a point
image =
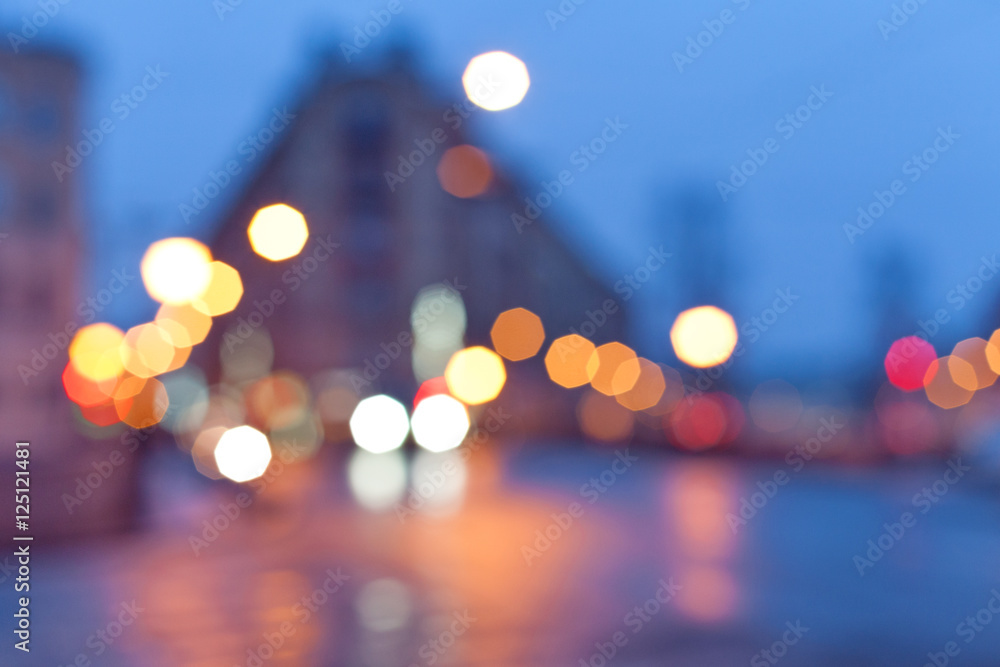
(556, 556)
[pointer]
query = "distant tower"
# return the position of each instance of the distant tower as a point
(40, 215)
(697, 219)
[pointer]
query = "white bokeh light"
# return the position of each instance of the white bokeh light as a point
(176, 271)
(379, 424)
(496, 80)
(440, 423)
(243, 453)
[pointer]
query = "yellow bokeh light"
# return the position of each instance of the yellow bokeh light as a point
(379, 424)
(941, 386)
(566, 361)
(704, 337)
(147, 350)
(94, 352)
(475, 375)
(128, 386)
(517, 334)
(176, 270)
(610, 361)
(977, 353)
(439, 423)
(186, 325)
(243, 453)
(642, 392)
(278, 232)
(224, 291)
(181, 356)
(496, 80)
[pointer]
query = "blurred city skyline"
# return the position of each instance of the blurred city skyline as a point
(685, 131)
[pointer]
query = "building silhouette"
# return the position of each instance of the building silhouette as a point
(41, 300)
(359, 160)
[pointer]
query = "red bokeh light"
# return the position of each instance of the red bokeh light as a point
(701, 422)
(431, 387)
(907, 362)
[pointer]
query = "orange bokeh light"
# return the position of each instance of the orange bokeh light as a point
(566, 361)
(602, 418)
(611, 362)
(464, 171)
(977, 353)
(943, 388)
(646, 390)
(517, 334)
(146, 407)
(186, 325)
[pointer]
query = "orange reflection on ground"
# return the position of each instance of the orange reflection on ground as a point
(709, 594)
(700, 496)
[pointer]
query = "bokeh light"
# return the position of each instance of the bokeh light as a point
(379, 424)
(567, 359)
(103, 414)
(147, 350)
(993, 352)
(673, 392)
(438, 320)
(203, 451)
(94, 352)
(278, 232)
(645, 391)
(439, 423)
(176, 270)
(907, 361)
(496, 80)
(300, 440)
(335, 403)
(187, 393)
(602, 418)
(976, 352)
(704, 337)
(278, 401)
(85, 392)
(464, 171)
(186, 325)
(144, 405)
(906, 423)
(613, 361)
(940, 384)
(223, 292)
(517, 334)
(704, 421)
(475, 375)
(429, 388)
(243, 453)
